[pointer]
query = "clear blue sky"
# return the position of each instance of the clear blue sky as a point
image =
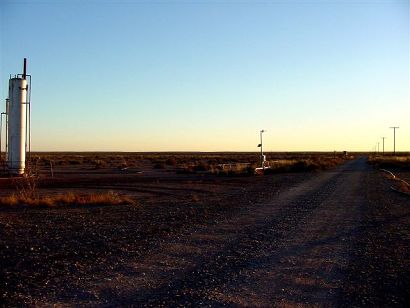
(208, 75)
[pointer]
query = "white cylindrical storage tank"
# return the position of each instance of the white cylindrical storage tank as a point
(16, 113)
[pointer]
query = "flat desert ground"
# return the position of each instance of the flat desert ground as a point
(333, 237)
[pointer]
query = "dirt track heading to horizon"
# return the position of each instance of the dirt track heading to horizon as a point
(332, 238)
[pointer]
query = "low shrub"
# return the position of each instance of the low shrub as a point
(171, 161)
(201, 167)
(390, 161)
(70, 198)
(159, 165)
(303, 165)
(98, 164)
(73, 162)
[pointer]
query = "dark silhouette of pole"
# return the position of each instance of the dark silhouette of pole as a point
(383, 143)
(261, 132)
(394, 138)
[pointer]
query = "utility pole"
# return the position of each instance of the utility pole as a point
(383, 143)
(261, 146)
(378, 148)
(394, 138)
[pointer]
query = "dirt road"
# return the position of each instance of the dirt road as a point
(337, 238)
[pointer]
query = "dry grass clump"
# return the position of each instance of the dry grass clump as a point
(390, 161)
(69, 199)
(171, 161)
(159, 165)
(328, 162)
(186, 163)
(99, 164)
(192, 162)
(215, 168)
(279, 164)
(97, 159)
(236, 169)
(302, 165)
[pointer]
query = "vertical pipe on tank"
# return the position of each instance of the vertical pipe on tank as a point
(7, 127)
(3, 160)
(25, 68)
(16, 154)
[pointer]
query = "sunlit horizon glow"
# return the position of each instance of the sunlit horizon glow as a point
(208, 76)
